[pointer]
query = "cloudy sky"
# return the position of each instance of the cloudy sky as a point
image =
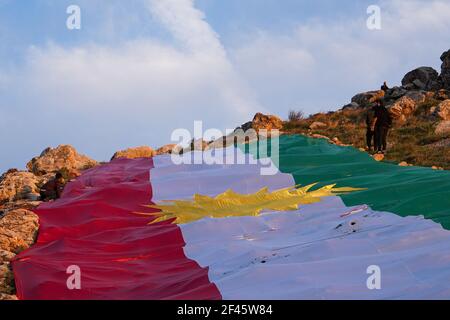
(139, 69)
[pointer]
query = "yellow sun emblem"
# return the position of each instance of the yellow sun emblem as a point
(232, 204)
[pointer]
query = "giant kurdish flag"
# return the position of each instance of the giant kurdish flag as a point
(150, 229)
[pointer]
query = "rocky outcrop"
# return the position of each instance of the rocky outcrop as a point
(5, 297)
(402, 108)
(441, 95)
(423, 78)
(443, 128)
(416, 96)
(18, 185)
(318, 125)
(351, 106)
(135, 153)
(6, 280)
(442, 110)
(445, 70)
(378, 157)
(64, 157)
(167, 149)
(366, 99)
(18, 230)
(263, 121)
(396, 93)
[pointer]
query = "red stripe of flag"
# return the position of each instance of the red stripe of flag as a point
(93, 226)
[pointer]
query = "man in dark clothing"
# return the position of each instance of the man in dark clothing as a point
(383, 123)
(384, 87)
(370, 122)
(53, 189)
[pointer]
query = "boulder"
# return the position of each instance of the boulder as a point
(318, 125)
(135, 153)
(167, 149)
(423, 78)
(351, 106)
(442, 110)
(18, 185)
(64, 157)
(396, 93)
(441, 95)
(6, 297)
(319, 136)
(378, 157)
(445, 70)
(18, 230)
(18, 204)
(416, 96)
(403, 164)
(402, 108)
(366, 99)
(6, 279)
(6, 256)
(246, 126)
(267, 122)
(443, 128)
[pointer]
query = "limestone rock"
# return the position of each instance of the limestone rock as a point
(6, 256)
(416, 96)
(18, 230)
(366, 99)
(135, 153)
(267, 122)
(443, 110)
(63, 157)
(18, 204)
(378, 157)
(319, 136)
(351, 106)
(423, 78)
(445, 70)
(441, 95)
(18, 185)
(167, 149)
(318, 125)
(396, 93)
(403, 164)
(6, 297)
(443, 128)
(402, 108)
(6, 279)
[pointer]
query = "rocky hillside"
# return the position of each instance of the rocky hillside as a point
(420, 108)
(19, 195)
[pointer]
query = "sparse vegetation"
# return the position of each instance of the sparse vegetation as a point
(295, 116)
(414, 141)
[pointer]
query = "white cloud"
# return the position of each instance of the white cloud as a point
(104, 97)
(132, 93)
(321, 64)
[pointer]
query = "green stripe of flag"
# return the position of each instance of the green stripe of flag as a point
(400, 190)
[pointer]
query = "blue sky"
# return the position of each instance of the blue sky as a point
(139, 69)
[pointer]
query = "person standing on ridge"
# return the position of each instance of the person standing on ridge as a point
(370, 123)
(384, 87)
(383, 122)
